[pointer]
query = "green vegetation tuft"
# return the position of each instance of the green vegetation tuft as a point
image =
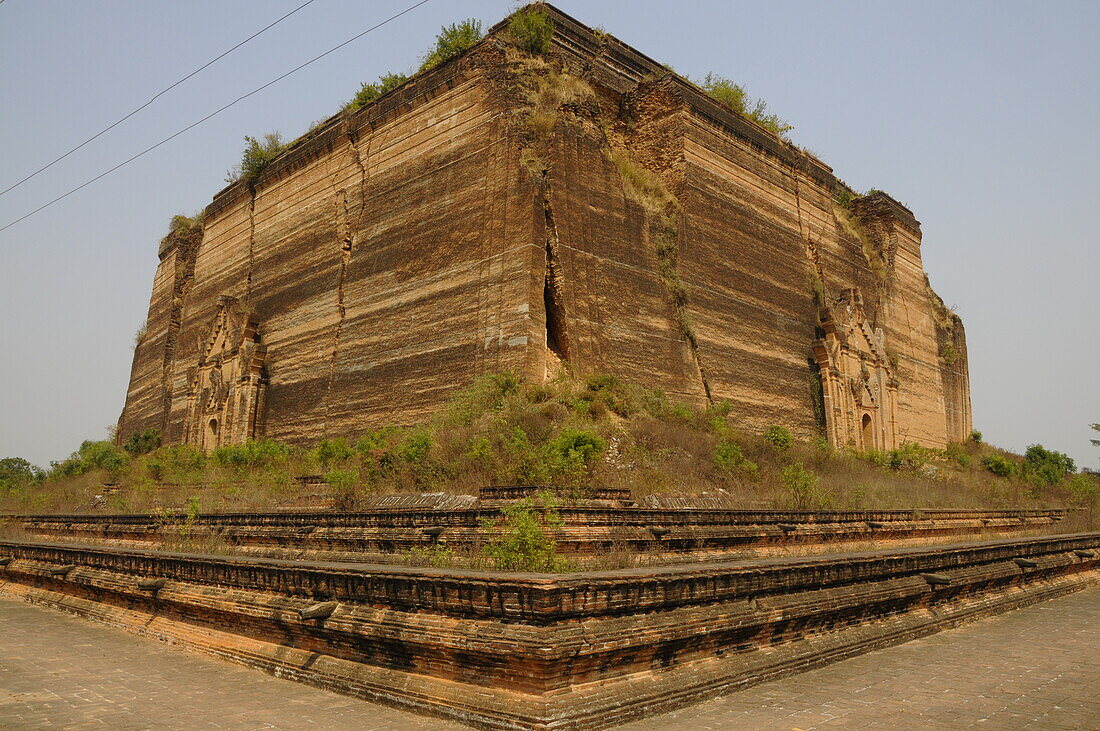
(1046, 467)
(369, 92)
(257, 155)
(531, 29)
(521, 540)
(17, 473)
(452, 41)
(91, 456)
(999, 465)
(736, 98)
(573, 432)
(262, 454)
(142, 442)
(779, 437)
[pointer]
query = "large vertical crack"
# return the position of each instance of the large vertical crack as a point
(346, 233)
(816, 273)
(558, 347)
(251, 241)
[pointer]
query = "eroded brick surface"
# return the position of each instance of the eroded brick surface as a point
(63, 671)
(1037, 667)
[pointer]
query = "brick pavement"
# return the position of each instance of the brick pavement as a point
(1033, 668)
(1037, 667)
(58, 670)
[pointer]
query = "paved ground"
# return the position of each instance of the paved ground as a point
(1034, 668)
(1037, 667)
(59, 670)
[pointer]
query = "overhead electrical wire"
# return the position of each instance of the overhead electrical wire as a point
(153, 98)
(217, 111)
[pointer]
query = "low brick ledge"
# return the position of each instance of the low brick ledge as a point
(570, 514)
(545, 598)
(512, 672)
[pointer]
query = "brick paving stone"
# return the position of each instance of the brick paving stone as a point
(61, 671)
(1037, 667)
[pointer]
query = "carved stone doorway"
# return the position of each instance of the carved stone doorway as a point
(859, 389)
(868, 432)
(228, 384)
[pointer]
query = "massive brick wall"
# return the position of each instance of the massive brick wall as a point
(395, 253)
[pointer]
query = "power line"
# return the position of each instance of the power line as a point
(215, 112)
(156, 96)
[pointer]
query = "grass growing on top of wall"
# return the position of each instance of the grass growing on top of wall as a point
(573, 432)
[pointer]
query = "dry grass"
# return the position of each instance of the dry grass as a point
(503, 431)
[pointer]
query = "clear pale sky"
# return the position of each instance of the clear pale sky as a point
(981, 116)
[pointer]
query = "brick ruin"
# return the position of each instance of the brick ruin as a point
(508, 212)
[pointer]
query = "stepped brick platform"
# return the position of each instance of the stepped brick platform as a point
(545, 651)
(589, 532)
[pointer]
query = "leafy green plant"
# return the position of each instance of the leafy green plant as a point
(958, 453)
(729, 458)
(257, 155)
(328, 451)
(179, 463)
(487, 394)
(452, 41)
(369, 92)
(343, 484)
(1046, 467)
(1084, 490)
(999, 466)
(260, 454)
(522, 542)
(779, 437)
(180, 223)
(16, 472)
(571, 454)
(142, 442)
(976, 436)
(801, 488)
(532, 30)
(92, 455)
(736, 98)
(437, 555)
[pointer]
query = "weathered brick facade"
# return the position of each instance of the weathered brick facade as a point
(396, 252)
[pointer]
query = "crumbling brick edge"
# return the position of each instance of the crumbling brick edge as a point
(586, 672)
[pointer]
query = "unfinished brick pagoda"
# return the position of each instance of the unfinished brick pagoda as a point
(487, 216)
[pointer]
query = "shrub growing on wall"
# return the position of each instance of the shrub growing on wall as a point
(257, 155)
(452, 40)
(532, 30)
(369, 92)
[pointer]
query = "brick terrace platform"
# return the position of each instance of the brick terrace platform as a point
(1037, 666)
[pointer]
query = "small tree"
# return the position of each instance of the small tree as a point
(369, 92)
(16, 472)
(257, 155)
(532, 30)
(779, 437)
(523, 543)
(452, 40)
(142, 442)
(736, 98)
(1046, 466)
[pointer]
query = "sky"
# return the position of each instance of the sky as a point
(980, 116)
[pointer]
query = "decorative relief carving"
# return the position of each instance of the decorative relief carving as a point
(859, 385)
(227, 387)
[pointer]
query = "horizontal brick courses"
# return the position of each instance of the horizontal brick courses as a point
(540, 650)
